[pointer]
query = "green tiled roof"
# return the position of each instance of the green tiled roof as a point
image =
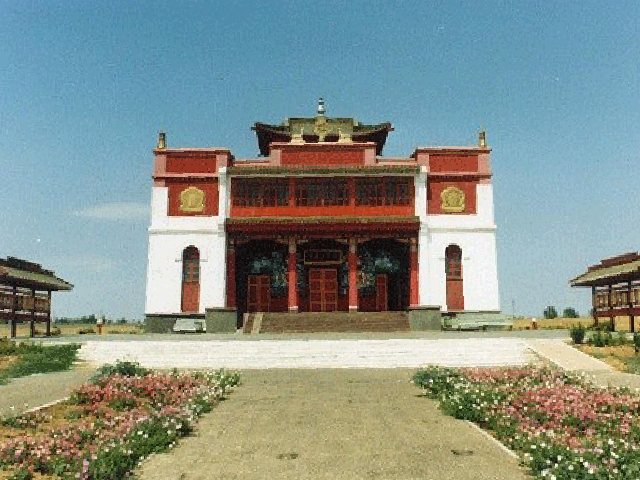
(29, 275)
(606, 275)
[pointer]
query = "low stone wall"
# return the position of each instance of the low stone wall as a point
(164, 323)
(425, 318)
(221, 320)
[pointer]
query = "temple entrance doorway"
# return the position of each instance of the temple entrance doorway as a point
(259, 293)
(323, 289)
(383, 283)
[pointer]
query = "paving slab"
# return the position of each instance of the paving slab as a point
(566, 357)
(331, 424)
(25, 393)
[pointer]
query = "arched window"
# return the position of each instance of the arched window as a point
(453, 271)
(190, 279)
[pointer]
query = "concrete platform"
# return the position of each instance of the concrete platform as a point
(265, 354)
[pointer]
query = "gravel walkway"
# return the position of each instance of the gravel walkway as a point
(331, 424)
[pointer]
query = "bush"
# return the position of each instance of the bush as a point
(577, 333)
(570, 313)
(600, 339)
(636, 342)
(550, 312)
(124, 368)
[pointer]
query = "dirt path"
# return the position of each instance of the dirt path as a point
(331, 424)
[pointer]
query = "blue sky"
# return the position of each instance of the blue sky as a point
(86, 86)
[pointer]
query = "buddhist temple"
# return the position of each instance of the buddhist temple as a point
(321, 221)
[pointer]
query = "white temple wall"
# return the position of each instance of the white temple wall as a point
(475, 235)
(168, 237)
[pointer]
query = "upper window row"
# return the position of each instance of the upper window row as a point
(319, 192)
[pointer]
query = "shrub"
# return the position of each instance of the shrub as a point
(577, 333)
(570, 313)
(550, 312)
(601, 339)
(636, 342)
(621, 339)
(121, 367)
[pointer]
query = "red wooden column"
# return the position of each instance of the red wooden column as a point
(414, 299)
(48, 313)
(231, 275)
(594, 304)
(632, 322)
(293, 276)
(611, 316)
(14, 317)
(32, 321)
(292, 192)
(352, 260)
(352, 192)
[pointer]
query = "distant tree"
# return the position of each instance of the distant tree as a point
(570, 312)
(122, 320)
(550, 312)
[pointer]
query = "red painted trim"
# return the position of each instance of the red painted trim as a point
(292, 276)
(330, 211)
(453, 163)
(283, 227)
(231, 276)
(414, 299)
(435, 188)
(353, 271)
(211, 193)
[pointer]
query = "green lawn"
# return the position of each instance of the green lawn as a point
(29, 358)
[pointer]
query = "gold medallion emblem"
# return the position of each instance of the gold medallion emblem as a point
(192, 200)
(453, 200)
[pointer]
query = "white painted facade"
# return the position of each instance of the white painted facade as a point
(168, 237)
(475, 235)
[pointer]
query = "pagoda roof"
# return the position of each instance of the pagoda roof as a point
(14, 271)
(622, 268)
(314, 128)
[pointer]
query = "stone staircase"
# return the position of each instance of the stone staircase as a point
(310, 322)
(259, 354)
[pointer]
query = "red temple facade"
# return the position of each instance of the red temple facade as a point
(321, 222)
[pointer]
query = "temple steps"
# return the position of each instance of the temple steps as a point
(257, 354)
(339, 322)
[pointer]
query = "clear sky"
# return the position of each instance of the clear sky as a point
(86, 86)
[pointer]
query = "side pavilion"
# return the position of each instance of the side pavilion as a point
(25, 294)
(615, 287)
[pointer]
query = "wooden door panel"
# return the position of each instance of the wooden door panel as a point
(190, 297)
(455, 297)
(259, 293)
(323, 289)
(382, 293)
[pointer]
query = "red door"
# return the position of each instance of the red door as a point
(259, 293)
(453, 267)
(323, 289)
(382, 296)
(190, 280)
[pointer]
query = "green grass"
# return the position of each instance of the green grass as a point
(36, 358)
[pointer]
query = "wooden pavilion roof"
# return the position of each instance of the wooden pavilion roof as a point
(623, 268)
(21, 273)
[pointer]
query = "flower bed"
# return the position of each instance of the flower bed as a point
(106, 427)
(562, 427)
